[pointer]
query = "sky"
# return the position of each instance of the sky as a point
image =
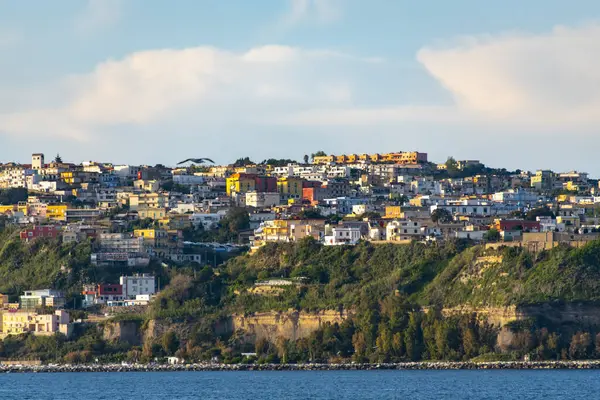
(512, 83)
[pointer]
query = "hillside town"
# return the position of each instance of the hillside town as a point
(201, 213)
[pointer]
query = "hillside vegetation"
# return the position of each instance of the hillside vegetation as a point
(430, 275)
(384, 286)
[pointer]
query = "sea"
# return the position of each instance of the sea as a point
(497, 384)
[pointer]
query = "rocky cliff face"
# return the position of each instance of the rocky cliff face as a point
(497, 316)
(291, 325)
(123, 331)
(580, 313)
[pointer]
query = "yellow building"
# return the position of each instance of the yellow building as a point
(290, 187)
(240, 183)
(323, 159)
(175, 221)
(147, 233)
(19, 322)
(409, 158)
(14, 208)
(152, 213)
(57, 212)
(393, 212)
(147, 200)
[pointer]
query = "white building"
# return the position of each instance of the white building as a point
(37, 161)
(402, 230)
(188, 180)
(262, 200)
(426, 185)
(470, 207)
(135, 285)
(127, 171)
(342, 236)
(258, 218)
(207, 220)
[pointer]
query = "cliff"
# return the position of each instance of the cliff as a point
(123, 331)
(291, 325)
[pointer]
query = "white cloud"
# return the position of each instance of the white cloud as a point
(539, 79)
(517, 85)
(154, 86)
(536, 83)
(99, 14)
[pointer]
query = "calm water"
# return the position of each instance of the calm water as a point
(305, 385)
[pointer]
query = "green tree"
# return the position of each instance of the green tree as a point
(319, 153)
(492, 235)
(242, 162)
(13, 196)
(451, 164)
(360, 346)
(580, 345)
(441, 215)
(539, 212)
(306, 158)
(413, 337)
(236, 220)
(170, 342)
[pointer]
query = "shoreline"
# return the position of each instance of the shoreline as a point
(431, 366)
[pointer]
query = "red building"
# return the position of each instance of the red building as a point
(100, 294)
(39, 232)
(265, 184)
(110, 292)
(314, 195)
(518, 224)
(311, 184)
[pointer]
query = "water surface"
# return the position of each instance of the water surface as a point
(561, 384)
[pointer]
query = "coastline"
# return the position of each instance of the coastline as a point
(208, 367)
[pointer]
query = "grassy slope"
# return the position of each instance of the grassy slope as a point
(430, 275)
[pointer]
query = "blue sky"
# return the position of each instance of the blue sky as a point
(513, 83)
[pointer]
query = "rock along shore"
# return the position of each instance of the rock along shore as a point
(506, 365)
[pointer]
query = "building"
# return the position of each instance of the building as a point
(401, 230)
(37, 161)
(49, 231)
(83, 214)
(161, 243)
(151, 213)
(148, 200)
(146, 186)
(289, 188)
(262, 199)
(175, 222)
(208, 221)
(20, 322)
(137, 285)
(314, 195)
(101, 294)
(543, 180)
(342, 236)
(407, 158)
(120, 249)
(517, 225)
(240, 183)
(42, 298)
